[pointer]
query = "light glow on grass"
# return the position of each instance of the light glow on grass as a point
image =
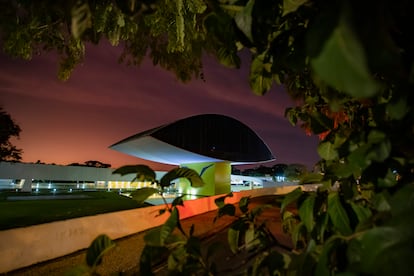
(20, 213)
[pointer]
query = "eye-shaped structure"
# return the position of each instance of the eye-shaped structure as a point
(196, 139)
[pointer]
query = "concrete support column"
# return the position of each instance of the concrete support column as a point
(216, 178)
(206, 170)
(27, 185)
(222, 178)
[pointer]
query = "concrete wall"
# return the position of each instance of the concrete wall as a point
(26, 246)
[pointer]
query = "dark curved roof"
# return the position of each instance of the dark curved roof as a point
(200, 138)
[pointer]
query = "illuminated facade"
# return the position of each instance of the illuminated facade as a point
(56, 178)
(208, 143)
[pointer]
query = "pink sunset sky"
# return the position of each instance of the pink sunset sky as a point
(104, 102)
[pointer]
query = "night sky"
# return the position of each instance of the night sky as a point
(104, 102)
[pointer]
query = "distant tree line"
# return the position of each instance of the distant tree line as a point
(290, 171)
(91, 163)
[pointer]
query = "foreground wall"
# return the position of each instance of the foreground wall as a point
(26, 246)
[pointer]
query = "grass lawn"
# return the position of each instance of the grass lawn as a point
(19, 213)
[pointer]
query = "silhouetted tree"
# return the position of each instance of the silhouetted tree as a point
(96, 164)
(279, 169)
(8, 129)
(235, 170)
(75, 164)
(263, 170)
(250, 172)
(295, 171)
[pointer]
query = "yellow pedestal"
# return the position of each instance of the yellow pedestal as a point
(216, 177)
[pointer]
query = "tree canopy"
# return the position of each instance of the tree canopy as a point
(349, 64)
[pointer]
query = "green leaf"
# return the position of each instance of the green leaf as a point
(157, 237)
(153, 237)
(358, 159)
(143, 172)
(320, 123)
(379, 152)
(378, 243)
(233, 239)
(298, 233)
(321, 28)
(177, 258)
(169, 225)
(180, 27)
(220, 200)
(339, 141)
(346, 170)
(291, 114)
(142, 194)
(99, 246)
(196, 6)
(219, 27)
(327, 151)
(354, 252)
(227, 209)
(273, 263)
(338, 215)
(292, 5)
(362, 213)
(306, 212)
(342, 63)
(380, 147)
(311, 178)
(402, 200)
(381, 203)
(190, 174)
(244, 204)
(258, 210)
(260, 78)
(376, 136)
(288, 221)
(243, 19)
(321, 223)
(81, 18)
(398, 109)
(390, 180)
(121, 20)
(250, 237)
(193, 246)
(178, 201)
(228, 58)
(311, 246)
(301, 264)
(323, 268)
(290, 198)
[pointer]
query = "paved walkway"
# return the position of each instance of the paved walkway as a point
(125, 256)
